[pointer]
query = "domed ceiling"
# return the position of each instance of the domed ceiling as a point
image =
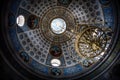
(60, 38)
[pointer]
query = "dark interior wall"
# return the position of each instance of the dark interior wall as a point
(6, 73)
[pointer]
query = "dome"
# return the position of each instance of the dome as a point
(60, 39)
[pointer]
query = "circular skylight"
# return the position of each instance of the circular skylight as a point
(55, 62)
(20, 20)
(58, 25)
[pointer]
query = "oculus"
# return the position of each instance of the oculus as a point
(55, 62)
(58, 26)
(20, 20)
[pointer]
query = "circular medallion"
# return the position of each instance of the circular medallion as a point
(55, 51)
(56, 72)
(32, 21)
